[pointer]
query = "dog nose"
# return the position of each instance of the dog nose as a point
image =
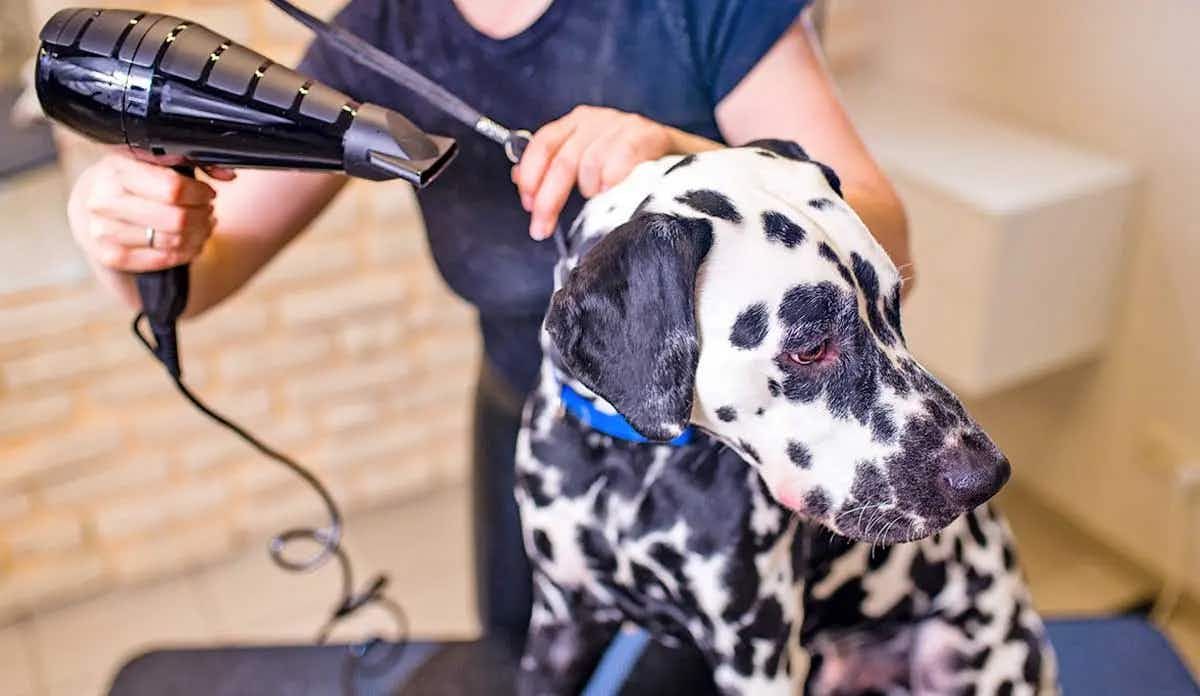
(970, 477)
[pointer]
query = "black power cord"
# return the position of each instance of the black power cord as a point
(368, 658)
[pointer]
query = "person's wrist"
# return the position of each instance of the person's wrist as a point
(683, 143)
(676, 140)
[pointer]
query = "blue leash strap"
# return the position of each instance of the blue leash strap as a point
(617, 663)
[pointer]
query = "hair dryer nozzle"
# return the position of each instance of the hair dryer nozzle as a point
(382, 144)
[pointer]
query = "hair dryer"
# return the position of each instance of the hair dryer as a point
(177, 93)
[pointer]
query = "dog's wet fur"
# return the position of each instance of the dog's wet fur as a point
(826, 531)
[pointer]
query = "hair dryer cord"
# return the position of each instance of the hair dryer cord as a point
(366, 657)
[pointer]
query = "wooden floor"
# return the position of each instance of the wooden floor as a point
(424, 547)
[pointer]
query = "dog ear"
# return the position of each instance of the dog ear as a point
(792, 150)
(624, 321)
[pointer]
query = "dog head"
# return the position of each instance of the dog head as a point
(744, 296)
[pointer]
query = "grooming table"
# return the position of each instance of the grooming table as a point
(1110, 657)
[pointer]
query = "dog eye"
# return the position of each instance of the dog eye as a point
(809, 356)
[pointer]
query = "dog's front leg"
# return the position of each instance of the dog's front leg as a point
(565, 643)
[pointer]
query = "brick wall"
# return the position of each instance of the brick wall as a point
(347, 352)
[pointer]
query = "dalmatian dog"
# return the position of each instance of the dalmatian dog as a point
(825, 530)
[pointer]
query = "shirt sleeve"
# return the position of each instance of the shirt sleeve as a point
(325, 64)
(727, 38)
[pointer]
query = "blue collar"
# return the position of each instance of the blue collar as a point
(613, 424)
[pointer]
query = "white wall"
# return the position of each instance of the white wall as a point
(1122, 78)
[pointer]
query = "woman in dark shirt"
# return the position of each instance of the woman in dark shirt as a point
(611, 83)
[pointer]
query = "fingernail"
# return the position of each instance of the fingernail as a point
(537, 230)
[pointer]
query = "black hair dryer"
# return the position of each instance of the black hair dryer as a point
(180, 95)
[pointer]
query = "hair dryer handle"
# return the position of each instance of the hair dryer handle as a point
(164, 296)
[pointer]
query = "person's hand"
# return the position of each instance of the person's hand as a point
(117, 200)
(594, 147)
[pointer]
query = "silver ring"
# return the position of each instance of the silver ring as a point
(150, 237)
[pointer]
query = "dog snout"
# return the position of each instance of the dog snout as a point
(969, 476)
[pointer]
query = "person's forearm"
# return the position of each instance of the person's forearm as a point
(249, 233)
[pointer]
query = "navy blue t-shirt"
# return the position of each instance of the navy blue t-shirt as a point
(671, 61)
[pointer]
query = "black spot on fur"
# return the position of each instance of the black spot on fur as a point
(831, 178)
(816, 502)
(647, 513)
(912, 476)
(743, 658)
(712, 203)
(667, 557)
(878, 557)
(891, 376)
(867, 279)
(820, 203)
(531, 483)
(870, 487)
(799, 454)
(760, 411)
(891, 310)
(727, 414)
(941, 415)
(976, 531)
(843, 608)
(977, 582)
(868, 282)
(642, 206)
(883, 426)
(1010, 557)
(1032, 669)
(928, 577)
(750, 327)
(749, 450)
(680, 164)
(781, 229)
(774, 659)
(773, 387)
(809, 306)
(831, 255)
(1005, 689)
(541, 542)
(597, 550)
(703, 471)
(768, 621)
(979, 659)
(971, 619)
(742, 581)
(784, 148)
